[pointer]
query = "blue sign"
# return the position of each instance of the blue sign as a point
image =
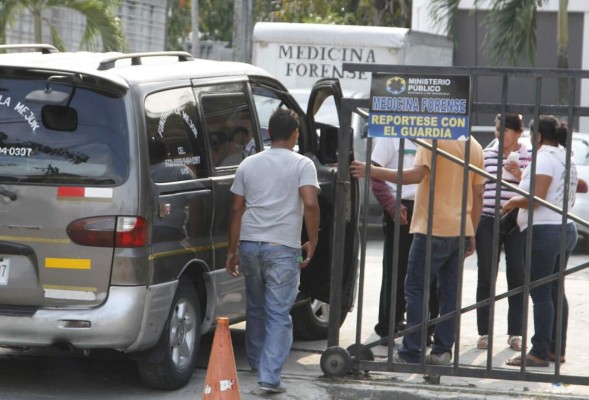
(414, 106)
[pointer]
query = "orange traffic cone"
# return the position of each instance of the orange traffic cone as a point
(221, 381)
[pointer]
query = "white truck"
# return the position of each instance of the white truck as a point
(300, 54)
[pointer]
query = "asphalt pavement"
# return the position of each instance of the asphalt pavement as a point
(304, 378)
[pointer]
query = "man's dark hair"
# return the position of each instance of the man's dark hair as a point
(282, 124)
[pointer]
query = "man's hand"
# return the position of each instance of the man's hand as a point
(232, 264)
(471, 247)
(357, 169)
(309, 250)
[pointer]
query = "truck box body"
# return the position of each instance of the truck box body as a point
(299, 54)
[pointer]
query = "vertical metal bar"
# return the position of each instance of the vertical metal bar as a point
(464, 216)
(529, 236)
(457, 314)
(337, 256)
(396, 239)
(362, 248)
(428, 252)
(495, 245)
(563, 236)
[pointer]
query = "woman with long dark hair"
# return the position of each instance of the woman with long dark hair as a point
(550, 186)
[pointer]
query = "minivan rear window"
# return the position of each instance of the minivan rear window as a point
(84, 141)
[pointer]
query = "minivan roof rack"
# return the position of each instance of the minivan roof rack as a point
(109, 63)
(45, 48)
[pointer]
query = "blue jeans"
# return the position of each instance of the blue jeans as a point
(445, 265)
(513, 244)
(271, 277)
(545, 261)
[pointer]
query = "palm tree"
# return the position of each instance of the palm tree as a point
(101, 20)
(512, 31)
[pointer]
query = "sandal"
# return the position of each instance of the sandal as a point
(483, 342)
(515, 343)
(552, 357)
(531, 361)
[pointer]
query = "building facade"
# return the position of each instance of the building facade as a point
(469, 31)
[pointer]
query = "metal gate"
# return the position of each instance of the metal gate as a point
(338, 361)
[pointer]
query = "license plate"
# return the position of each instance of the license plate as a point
(4, 270)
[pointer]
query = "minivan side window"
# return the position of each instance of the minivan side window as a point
(228, 120)
(174, 139)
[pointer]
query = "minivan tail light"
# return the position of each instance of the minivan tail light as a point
(131, 232)
(109, 231)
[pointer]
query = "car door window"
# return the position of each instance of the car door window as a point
(267, 101)
(227, 116)
(175, 145)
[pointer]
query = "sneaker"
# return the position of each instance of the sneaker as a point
(439, 359)
(397, 359)
(483, 342)
(272, 389)
(429, 340)
(515, 343)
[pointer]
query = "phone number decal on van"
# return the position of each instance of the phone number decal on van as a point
(16, 151)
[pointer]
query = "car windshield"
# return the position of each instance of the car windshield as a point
(85, 142)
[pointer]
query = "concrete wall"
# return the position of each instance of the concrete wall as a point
(143, 23)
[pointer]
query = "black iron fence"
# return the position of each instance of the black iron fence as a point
(337, 361)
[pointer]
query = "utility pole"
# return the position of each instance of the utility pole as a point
(195, 29)
(242, 30)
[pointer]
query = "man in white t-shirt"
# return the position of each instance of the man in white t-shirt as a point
(273, 192)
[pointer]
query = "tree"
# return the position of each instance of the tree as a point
(351, 12)
(101, 20)
(511, 31)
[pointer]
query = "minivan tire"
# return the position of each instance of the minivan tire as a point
(170, 363)
(311, 319)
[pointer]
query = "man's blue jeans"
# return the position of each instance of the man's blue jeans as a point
(545, 261)
(445, 264)
(271, 277)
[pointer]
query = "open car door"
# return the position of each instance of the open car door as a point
(323, 121)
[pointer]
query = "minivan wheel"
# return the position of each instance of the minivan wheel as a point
(170, 364)
(311, 320)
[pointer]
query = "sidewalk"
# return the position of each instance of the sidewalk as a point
(304, 379)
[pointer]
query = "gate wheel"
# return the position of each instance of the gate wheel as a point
(433, 379)
(363, 351)
(335, 362)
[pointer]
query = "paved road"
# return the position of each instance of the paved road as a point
(45, 375)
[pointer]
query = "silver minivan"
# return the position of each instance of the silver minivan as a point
(115, 172)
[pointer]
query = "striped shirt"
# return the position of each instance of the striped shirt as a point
(491, 162)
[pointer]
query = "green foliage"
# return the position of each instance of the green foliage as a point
(101, 20)
(510, 24)
(216, 16)
(511, 31)
(216, 19)
(350, 12)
